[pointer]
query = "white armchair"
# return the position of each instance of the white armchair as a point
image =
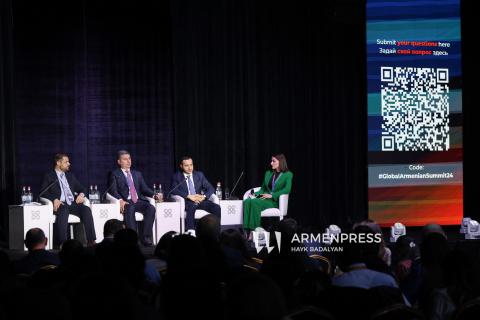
(279, 212)
(199, 214)
(72, 219)
(138, 215)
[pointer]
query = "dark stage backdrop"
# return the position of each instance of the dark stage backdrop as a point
(227, 82)
(90, 79)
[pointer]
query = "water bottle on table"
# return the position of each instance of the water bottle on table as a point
(218, 191)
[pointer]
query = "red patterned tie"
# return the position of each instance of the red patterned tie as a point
(131, 185)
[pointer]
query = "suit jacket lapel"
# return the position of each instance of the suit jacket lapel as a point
(54, 176)
(135, 179)
(123, 177)
(196, 183)
(277, 183)
(267, 180)
(69, 181)
(180, 178)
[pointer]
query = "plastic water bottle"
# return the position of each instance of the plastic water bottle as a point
(218, 191)
(97, 194)
(160, 193)
(91, 194)
(155, 191)
(24, 195)
(29, 195)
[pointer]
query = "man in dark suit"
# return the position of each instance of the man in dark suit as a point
(67, 194)
(130, 188)
(195, 189)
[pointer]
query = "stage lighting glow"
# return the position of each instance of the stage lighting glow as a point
(396, 231)
(473, 230)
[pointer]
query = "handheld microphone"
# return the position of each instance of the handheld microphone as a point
(46, 189)
(110, 187)
(178, 185)
(231, 197)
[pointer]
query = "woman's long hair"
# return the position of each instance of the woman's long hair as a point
(282, 162)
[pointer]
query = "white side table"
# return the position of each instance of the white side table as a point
(23, 218)
(101, 212)
(167, 218)
(232, 212)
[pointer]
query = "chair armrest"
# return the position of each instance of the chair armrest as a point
(46, 202)
(283, 204)
(112, 199)
(214, 198)
(151, 201)
(86, 202)
(247, 193)
(177, 198)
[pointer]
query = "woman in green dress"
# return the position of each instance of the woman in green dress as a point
(276, 182)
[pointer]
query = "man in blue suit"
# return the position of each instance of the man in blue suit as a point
(130, 188)
(195, 189)
(67, 195)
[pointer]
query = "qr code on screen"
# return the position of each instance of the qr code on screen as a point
(415, 109)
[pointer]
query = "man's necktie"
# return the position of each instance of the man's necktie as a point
(66, 189)
(191, 189)
(131, 185)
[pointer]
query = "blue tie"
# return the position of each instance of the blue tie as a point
(66, 189)
(191, 189)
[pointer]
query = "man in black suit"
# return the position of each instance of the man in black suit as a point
(195, 189)
(130, 188)
(67, 194)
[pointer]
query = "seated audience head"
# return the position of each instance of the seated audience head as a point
(375, 227)
(369, 249)
(35, 239)
(71, 250)
(234, 239)
(163, 246)
(434, 249)
(405, 249)
(287, 227)
(127, 258)
(383, 252)
(186, 255)
(208, 228)
(126, 238)
(111, 227)
(355, 252)
(433, 228)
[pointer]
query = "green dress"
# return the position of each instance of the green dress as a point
(253, 207)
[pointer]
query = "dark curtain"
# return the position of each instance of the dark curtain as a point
(92, 78)
(7, 118)
(255, 78)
